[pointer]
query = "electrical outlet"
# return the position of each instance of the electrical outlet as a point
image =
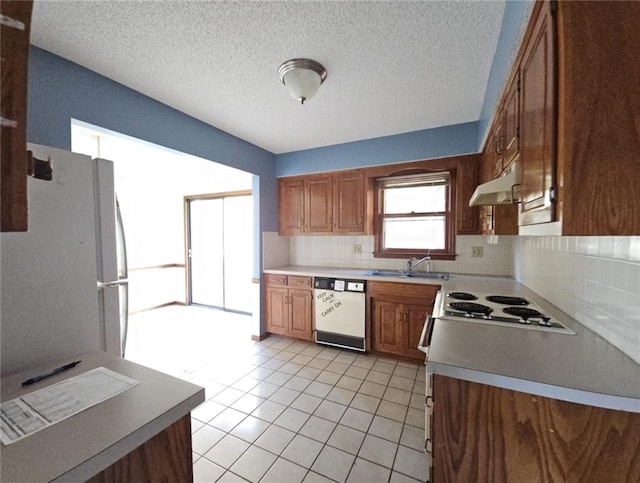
(357, 248)
(477, 252)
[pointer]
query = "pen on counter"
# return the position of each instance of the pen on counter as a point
(57, 370)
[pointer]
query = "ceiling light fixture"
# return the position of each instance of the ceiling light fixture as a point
(302, 78)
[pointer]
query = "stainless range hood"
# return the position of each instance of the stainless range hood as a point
(500, 191)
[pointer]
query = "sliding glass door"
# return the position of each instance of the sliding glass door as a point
(220, 251)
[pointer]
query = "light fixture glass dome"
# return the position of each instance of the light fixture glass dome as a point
(302, 77)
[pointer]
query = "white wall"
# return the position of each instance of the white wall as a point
(596, 280)
(338, 251)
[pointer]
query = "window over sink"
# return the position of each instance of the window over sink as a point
(414, 216)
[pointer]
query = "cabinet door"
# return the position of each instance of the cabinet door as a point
(496, 145)
(536, 438)
(301, 314)
(467, 177)
(319, 205)
(510, 144)
(537, 121)
(348, 203)
(414, 318)
(277, 310)
(14, 164)
(505, 220)
(387, 326)
(291, 206)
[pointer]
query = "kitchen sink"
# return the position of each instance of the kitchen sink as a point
(405, 274)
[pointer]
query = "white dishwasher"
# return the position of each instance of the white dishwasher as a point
(339, 312)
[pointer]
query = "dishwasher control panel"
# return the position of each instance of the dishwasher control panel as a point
(339, 285)
(355, 286)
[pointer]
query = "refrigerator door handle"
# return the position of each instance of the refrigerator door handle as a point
(115, 283)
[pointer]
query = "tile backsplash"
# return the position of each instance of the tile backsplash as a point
(596, 280)
(340, 251)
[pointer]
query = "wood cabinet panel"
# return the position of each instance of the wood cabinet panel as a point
(599, 117)
(538, 121)
(496, 146)
(165, 457)
(290, 306)
(301, 314)
(485, 433)
(510, 142)
(387, 325)
(294, 281)
(579, 106)
(414, 291)
(399, 311)
(276, 279)
(291, 203)
(349, 203)
(414, 322)
(467, 178)
(319, 205)
(277, 310)
(14, 46)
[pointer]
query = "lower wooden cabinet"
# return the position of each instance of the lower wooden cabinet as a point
(290, 306)
(486, 433)
(165, 457)
(398, 312)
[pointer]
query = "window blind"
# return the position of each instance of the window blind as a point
(423, 179)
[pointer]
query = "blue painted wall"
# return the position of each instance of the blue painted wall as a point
(60, 90)
(412, 146)
(514, 12)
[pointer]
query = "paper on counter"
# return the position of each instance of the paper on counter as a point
(28, 414)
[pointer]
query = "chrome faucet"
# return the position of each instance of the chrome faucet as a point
(411, 265)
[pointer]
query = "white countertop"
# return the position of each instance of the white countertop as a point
(582, 368)
(81, 446)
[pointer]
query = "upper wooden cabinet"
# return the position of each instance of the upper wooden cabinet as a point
(510, 142)
(318, 203)
(291, 196)
(577, 136)
(349, 205)
(537, 134)
(467, 176)
(599, 118)
(14, 40)
(326, 203)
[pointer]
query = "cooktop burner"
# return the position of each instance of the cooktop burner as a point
(462, 296)
(471, 308)
(501, 310)
(522, 312)
(506, 300)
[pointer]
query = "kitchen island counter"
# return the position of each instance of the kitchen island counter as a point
(582, 368)
(143, 429)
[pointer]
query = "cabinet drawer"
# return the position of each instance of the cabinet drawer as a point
(276, 279)
(424, 292)
(299, 281)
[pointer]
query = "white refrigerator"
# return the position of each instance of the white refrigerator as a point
(63, 284)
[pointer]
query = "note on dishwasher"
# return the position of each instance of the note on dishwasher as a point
(28, 414)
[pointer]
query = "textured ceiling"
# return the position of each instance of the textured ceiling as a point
(392, 67)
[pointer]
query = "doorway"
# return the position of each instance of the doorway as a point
(219, 239)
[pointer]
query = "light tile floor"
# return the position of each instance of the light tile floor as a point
(282, 410)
